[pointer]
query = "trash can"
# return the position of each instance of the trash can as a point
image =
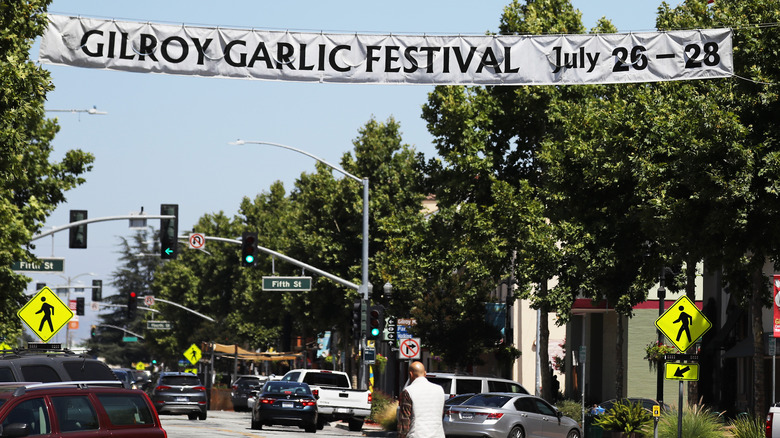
(592, 430)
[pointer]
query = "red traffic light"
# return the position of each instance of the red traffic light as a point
(132, 294)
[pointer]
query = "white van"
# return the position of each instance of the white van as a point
(455, 384)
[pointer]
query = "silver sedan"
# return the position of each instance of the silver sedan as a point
(502, 415)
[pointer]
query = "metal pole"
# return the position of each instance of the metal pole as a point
(661, 307)
(679, 411)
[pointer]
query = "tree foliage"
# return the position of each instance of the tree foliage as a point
(31, 186)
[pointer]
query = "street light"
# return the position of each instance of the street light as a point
(364, 290)
(363, 181)
(92, 111)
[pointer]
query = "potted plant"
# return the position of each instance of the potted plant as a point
(655, 352)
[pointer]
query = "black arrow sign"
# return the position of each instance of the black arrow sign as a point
(681, 371)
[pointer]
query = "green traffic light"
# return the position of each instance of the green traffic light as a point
(374, 331)
(249, 258)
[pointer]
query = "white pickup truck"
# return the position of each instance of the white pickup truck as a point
(336, 398)
(773, 422)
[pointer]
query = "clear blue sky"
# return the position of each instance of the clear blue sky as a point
(164, 139)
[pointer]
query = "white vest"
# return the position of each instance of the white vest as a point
(427, 409)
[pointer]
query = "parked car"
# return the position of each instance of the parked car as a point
(51, 366)
(286, 403)
(142, 378)
(179, 393)
(456, 384)
(513, 415)
(77, 410)
(125, 376)
(242, 388)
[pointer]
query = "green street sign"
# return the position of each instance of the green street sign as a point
(129, 339)
(291, 284)
(42, 265)
(158, 325)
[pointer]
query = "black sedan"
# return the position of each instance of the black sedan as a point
(285, 403)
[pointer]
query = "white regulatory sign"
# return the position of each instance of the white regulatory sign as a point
(197, 241)
(409, 349)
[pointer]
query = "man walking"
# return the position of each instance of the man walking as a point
(421, 406)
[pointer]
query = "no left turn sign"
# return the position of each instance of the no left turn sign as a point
(409, 349)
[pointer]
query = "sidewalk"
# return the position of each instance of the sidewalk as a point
(369, 429)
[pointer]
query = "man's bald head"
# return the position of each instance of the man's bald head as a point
(416, 369)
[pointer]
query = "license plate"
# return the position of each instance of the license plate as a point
(466, 415)
(342, 411)
(288, 404)
(181, 399)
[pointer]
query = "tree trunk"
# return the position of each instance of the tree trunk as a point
(756, 319)
(544, 358)
(619, 358)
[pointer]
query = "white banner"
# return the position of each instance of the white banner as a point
(387, 59)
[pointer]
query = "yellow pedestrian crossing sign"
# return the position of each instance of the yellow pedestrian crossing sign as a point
(45, 314)
(193, 354)
(683, 323)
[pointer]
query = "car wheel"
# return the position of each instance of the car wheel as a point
(320, 423)
(573, 434)
(355, 424)
(517, 432)
(256, 424)
(192, 416)
(311, 428)
(202, 416)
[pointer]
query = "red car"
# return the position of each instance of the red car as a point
(79, 409)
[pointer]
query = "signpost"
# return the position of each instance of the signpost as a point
(287, 284)
(45, 314)
(682, 324)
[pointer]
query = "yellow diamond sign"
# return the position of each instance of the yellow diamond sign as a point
(193, 354)
(45, 314)
(682, 371)
(683, 323)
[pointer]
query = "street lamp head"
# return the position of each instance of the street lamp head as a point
(237, 142)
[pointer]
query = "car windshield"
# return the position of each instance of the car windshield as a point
(487, 400)
(326, 379)
(180, 380)
(248, 383)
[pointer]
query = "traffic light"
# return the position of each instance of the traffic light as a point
(356, 326)
(93, 332)
(391, 328)
(169, 231)
(375, 321)
(248, 248)
(80, 306)
(132, 305)
(97, 290)
(78, 234)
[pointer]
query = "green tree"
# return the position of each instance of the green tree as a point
(138, 264)
(31, 186)
(752, 95)
(488, 138)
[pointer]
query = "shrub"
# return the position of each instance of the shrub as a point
(625, 417)
(570, 408)
(697, 422)
(387, 416)
(745, 426)
(379, 401)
